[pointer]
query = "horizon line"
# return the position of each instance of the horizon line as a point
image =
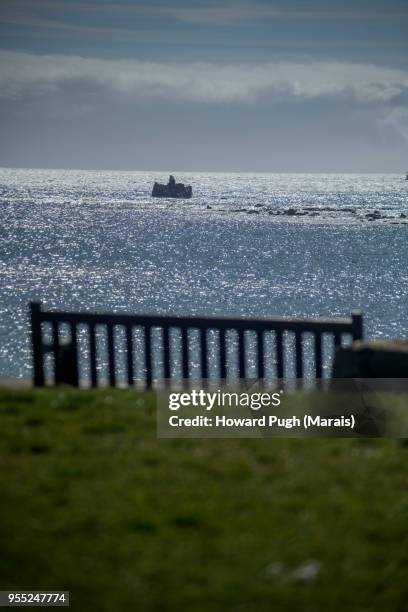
(178, 171)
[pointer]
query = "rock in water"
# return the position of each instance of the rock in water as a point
(172, 190)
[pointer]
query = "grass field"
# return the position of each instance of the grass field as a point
(92, 502)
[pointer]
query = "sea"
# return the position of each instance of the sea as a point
(245, 244)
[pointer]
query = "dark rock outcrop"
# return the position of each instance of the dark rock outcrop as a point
(373, 216)
(172, 190)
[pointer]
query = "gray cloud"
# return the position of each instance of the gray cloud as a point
(231, 13)
(397, 118)
(212, 13)
(24, 73)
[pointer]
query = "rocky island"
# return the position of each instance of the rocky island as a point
(172, 190)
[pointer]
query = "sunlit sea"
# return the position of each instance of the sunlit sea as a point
(245, 244)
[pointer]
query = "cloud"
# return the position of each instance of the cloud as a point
(22, 74)
(211, 12)
(398, 119)
(230, 13)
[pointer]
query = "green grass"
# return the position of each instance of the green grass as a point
(92, 502)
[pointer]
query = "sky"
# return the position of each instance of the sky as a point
(223, 86)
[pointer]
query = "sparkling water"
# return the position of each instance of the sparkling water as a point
(245, 244)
